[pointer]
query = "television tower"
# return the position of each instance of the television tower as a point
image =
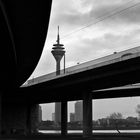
(58, 52)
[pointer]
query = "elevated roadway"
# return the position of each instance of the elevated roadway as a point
(114, 70)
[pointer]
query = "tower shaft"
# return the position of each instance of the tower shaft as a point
(58, 68)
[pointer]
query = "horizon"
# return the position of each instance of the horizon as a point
(129, 108)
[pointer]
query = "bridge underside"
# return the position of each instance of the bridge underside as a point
(74, 86)
(19, 114)
(23, 30)
(22, 107)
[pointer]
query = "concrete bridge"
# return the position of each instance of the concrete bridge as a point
(88, 81)
(24, 27)
(114, 70)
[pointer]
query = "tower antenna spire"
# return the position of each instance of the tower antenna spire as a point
(58, 37)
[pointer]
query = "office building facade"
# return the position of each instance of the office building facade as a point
(79, 111)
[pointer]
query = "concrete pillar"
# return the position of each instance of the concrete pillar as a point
(28, 120)
(34, 118)
(87, 114)
(18, 117)
(13, 116)
(0, 113)
(64, 118)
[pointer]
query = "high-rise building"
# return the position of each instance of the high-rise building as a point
(79, 111)
(57, 113)
(39, 113)
(53, 117)
(72, 117)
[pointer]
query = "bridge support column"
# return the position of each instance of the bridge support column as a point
(32, 120)
(28, 120)
(17, 117)
(0, 113)
(87, 115)
(13, 116)
(64, 118)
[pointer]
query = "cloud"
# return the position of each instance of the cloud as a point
(106, 8)
(72, 15)
(95, 47)
(130, 35)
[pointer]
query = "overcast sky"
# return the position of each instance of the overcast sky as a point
(115, 33)
(90, 29)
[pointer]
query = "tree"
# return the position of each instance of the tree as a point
(115, 119)
(116, 116)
